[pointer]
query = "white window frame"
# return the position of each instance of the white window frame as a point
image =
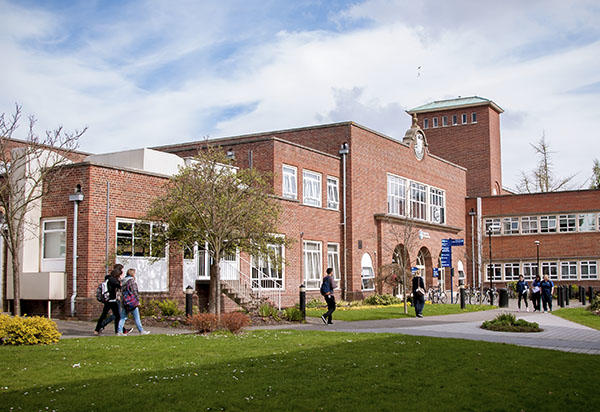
(587, 266)
(551, 223)
(265, 262)
(426, 123)
(333, 260)
(569, 221)
(367, 273)
(54, 264)
(416, 192)
(133, 222)
(435, 122)
(333, 193)
(530, 269)
(464, 118)
(454, 120)
(474, 117)
(550, 269)
(444, 121)
(568, 270)
(312, 280)
(496, 270)
(512, 271)
(528, 223)
(396, 198)
(510, 225)
(289, 173)
(437, 200)
(590, 219)
(495, 222)
(311, 181)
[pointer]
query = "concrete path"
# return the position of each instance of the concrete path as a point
(83, 329)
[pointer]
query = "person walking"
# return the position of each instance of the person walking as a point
(114, 284)
(327, 288)
(547, 287)
(130, 303)
(536, 293)
(522, 289)
(418, 292)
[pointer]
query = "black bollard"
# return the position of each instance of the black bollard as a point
(189, 299)
(568, 295)
(559, 295)
(591, 294)
(582, 295)
(303, 301)
(462, 297)
(563, 293)
(570, 292)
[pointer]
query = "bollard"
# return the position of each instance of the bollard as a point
(582, 295)
(189, 299)
(559, 295)
(303, 301)
(568, 295)
(570, 292)
(591, 294)
(563, 294)
(462, 297)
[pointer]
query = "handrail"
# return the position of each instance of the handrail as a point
(244, 285)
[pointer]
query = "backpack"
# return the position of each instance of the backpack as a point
(129, 300)
(102, 294)
(326, 286)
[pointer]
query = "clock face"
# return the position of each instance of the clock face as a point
(419, 146)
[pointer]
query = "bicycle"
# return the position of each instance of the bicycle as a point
(436, 295)
(486, 296)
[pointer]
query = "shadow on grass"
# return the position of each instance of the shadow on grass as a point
(291, 370)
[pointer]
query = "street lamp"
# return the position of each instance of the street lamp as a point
(537, 245)
(472, 213)
(491, 267)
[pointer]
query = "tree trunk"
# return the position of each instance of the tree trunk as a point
(16, 266)
(214, 292)
(404, 293)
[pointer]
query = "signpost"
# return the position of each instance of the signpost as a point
(446, 259)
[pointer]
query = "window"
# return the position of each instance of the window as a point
(267, 271)
(529, 224)
(473, 117)
(311, 188)
(425, 123)
(464, 118)
(547, 224)
(333, 193)
(550, 269)
(567, 223)
(589, 269)
(436, 208)
(495, 225)
(435, 122)
(290, 188)
(312, 264)
(568, 270)
(367, 274)
(454, 120)
(444, 120)
(139, 239)
(587, 222)
(511, 271)
(396, 195)
(530, 270)
(418, 200)
(496, 269)
(54, 239)
(510, 225)
(333, 259)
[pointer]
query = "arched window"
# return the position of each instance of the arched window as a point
(367, 273)
(461, 270)
(421, 263)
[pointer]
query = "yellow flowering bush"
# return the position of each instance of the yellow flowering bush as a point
(33, 330)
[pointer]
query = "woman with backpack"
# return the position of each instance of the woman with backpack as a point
(114, 284)
(130, 303)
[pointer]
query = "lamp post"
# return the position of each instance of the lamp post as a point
(472, 213)
(537, 246)
(491, 267)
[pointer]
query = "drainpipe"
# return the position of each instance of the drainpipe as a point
(344, 150)
(75, 198)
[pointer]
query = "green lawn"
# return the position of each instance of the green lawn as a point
(579, 315)
(293, 371)
(353, 313)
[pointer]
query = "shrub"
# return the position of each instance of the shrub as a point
(506, 322)
(266, 310)
(575, 290)
(234, 321)
(203, 322)
(595, 305)
(169, 307)
(382, 300)
(148, 308)
(27, 330)
(292, 314)
(315, 303)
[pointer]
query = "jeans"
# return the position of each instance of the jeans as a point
(330, 299)
(419, 302)
(136, 318)
(535, 298)
(524, 297)
(547, 300)
(103, 320)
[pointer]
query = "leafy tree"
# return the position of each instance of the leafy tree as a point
(595, 175)
(230, 209)
(542, 178)
(25, 166)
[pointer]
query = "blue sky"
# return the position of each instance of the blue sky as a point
(145, 73)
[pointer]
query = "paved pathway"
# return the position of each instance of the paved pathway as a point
(84, 329)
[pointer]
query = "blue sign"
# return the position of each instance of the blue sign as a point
(446, 261)
(457, 242)
(414, 269)
(436, 273)
(446, 242)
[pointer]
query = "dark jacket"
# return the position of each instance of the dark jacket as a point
(113, 286)
(328, 285)
(547, 287)
(522, 286)
(417, 282)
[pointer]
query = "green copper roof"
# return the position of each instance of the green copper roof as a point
(455, 103)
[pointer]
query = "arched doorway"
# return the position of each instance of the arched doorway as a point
(401, 259)
(424, 265)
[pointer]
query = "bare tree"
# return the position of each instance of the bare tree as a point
(542, 178)
(595, 184)
(25, 166)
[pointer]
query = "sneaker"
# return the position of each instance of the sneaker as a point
(145, 332)
(419, 316)
(323, 319)
(127, 331)
(330, 323)
(121, 334)
(518, 309)
(527, 310)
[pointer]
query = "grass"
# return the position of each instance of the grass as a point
(292, 371)
(354, 313)
(579, 315)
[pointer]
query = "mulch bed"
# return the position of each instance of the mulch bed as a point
(179, 322)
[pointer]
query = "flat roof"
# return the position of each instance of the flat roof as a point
(459, 102)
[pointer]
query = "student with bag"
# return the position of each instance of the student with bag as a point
(327, 288)
(130, 303)
(112, 303)
(522, 289)
(418, 292)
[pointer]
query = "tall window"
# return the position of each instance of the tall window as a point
(589, 269)
(312, 264)
(437, 207)
(311, 188)
(567, 223)
(54, 239)
(396, 195)
(529, 224)
(333, 193)
(511, 271)
(550, 269)
(418, 201)
(139, 239)
(530, 269)
(495, 224)
(587, 222)
(473, 117)
(464, 118)
(435, 122)
(425, 123)
(568, 270)
(333, 259)
(290, 188)
(510, 225)
(267, 271)
(444, 120)
(496, 270)
(454, 120)
(547, 224)
(367, 273)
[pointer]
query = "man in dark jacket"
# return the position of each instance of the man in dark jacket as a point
(112, 305)
(327, 288)
(418, 292)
